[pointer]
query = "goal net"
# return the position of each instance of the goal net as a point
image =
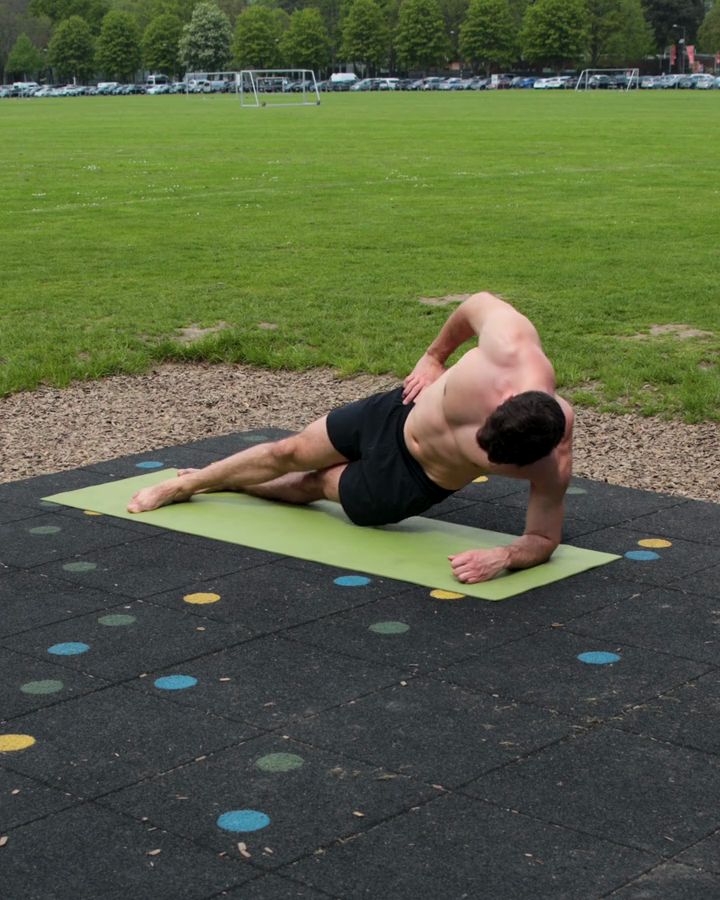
(277, 87)
(608, 79)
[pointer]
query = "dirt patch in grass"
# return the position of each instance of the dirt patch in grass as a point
(195, 333)
(681, 332)
(50, 429)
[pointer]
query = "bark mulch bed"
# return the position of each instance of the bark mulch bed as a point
(50, 429)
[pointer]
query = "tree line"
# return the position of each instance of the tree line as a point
(82, 39)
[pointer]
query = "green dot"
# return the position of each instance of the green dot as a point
(45, 529)
(280, 762)
(80, 566)
(50, 686)
(389, 628)
(116, 620)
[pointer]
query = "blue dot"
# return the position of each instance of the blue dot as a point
(598, 658)
(642, 555)
(149, 464)
(70, 648)
(352, 580)
(175, 682)
(243, 820)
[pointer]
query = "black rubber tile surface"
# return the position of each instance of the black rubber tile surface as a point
(25, 800)
(691, 520)
(416, 632)
(112, 738)
(153, 461)
(433, 731)
(30, 600)
(599, 783)
(28, 684)
(689, 715)
(32, 542)
(545, 669)
(672, 881)
(418, 746)
(129, 859)
(277, 596)
(458, 848)
(124, 641)
(667, 621)
(271, 680)
(149, 566)
(227, 444)
(309, 797)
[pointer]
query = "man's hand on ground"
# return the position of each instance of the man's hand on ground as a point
(427, 370)
(473, 566)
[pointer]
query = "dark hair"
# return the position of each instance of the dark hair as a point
(523, 429)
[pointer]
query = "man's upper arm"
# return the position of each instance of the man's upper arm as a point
(500, 328)
(546, 506)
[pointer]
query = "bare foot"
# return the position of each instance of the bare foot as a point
(158, 495)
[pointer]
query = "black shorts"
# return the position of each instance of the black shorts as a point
(383, 482)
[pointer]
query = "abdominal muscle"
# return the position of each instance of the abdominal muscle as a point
(439, 447)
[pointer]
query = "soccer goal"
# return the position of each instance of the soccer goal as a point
(277, 87)
(608, 79)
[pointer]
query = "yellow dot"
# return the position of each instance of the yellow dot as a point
(480, 479)
(201, 599)
(446, 595)
(655, 542)
(91, 512)
(12, 742)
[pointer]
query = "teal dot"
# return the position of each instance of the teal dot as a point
(50, 686)
(80, 566)
(575, 490)
(117, 620)
(69, 648)
(255, 438)
(279, 762)
(389, 628)
(642, 555)
(45, 529)
(352, 581)
(175, 682)
(149, 464)
(598, 658)
(243, 820)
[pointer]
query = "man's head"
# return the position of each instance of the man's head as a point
(523, 429)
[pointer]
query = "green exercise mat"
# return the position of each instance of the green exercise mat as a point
(415, 550)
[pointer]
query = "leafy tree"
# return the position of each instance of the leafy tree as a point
(72, 49)
(365, 35)
(420, 40)
(257, 34)
(147, 10)
(669, 17)
(117, 54)
(24, 58)
(160, 44)
(92, 11)
(306, 44)
(453, 13)
(487, 35)
(206, 39)
(709, 32)
(555, 33)
(630, 42)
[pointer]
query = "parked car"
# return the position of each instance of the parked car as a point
(703, 82)
(432, 83)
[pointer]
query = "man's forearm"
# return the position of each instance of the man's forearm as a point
(528, 551)
(464, 323)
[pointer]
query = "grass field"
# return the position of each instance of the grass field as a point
(124, 219)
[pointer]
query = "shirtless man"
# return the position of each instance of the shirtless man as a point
(394, 455)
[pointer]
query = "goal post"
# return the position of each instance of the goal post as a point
(617, 79)
(277, 87)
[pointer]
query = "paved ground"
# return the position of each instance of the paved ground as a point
(181, 718)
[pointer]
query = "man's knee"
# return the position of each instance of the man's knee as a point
(287, 453)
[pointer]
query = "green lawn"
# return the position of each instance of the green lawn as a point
(124, 219)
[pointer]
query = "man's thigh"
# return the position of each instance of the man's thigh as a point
(313, 449)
